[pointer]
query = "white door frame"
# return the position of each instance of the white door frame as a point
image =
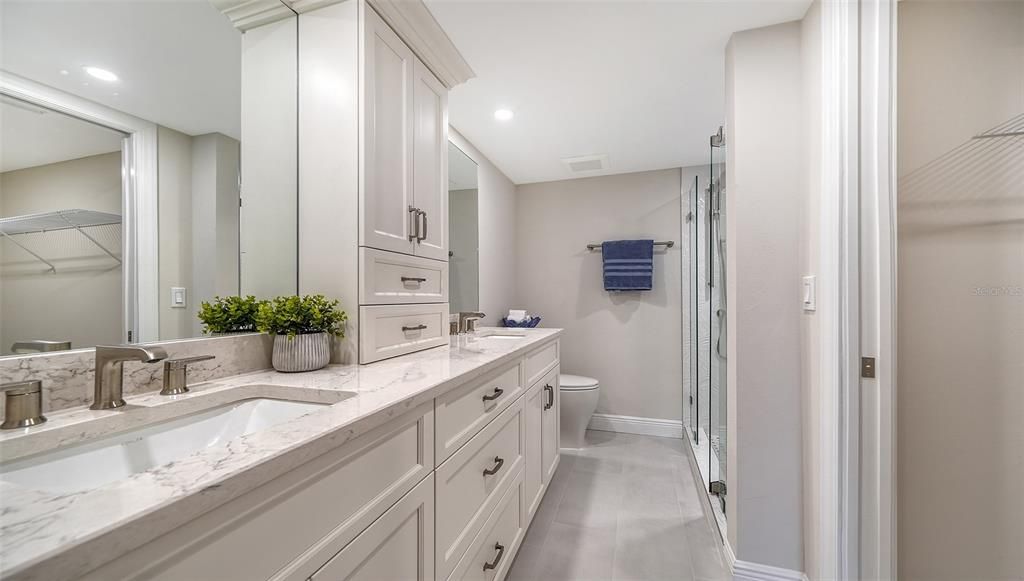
(857, 510)
(139, 207)
(876, 481)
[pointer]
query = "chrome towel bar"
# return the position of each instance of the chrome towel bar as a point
(666, 244)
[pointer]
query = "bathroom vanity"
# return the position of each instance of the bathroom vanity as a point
(425, 466)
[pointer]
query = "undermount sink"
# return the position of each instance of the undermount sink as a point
(500, 335)
(108, 459)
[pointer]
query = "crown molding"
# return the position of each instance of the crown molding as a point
(417, 27)
(246, 14)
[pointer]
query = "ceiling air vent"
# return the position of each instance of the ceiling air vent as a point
(586, 163)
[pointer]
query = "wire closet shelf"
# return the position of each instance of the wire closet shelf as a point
(75, 219)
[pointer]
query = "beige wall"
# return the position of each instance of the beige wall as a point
(215, 228)
(497, 203)
(810, 261)
(199, 224)
(629, 341)
(174, 151)
(463, 241)
(764, 119)
(82, 302)
(960, 385)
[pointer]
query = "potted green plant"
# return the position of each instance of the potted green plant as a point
(232, 314)
(302, 329)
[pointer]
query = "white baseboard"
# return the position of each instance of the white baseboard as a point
(635, 425)
(747, 571)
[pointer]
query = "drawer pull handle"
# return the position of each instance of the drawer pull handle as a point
(413, 279)
(551, 397)
(497, 558)
(497, 393)
(416, 328)
(498, 463)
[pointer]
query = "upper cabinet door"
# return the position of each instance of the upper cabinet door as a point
(430, 162)
(386, 182)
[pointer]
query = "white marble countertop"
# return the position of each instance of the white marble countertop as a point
(52, 536)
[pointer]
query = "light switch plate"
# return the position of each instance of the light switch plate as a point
(809, 293)
(179, 297)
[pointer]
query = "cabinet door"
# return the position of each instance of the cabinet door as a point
(533, 476)
(430, 162)
(399, 546)
(387, 137)
(550, 427)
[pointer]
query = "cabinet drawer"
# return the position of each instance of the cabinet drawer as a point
(397, 546)
(471, 482)
(463, 411)
(540, 361)
(392, 330)
(289, 527)
(389, 278)
(493, 550)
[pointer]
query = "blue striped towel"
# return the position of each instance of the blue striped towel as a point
(628, 265)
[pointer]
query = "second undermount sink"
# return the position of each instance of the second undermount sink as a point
(108, 459)
(493, 334)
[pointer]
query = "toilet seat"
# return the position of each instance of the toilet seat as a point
(567, 382)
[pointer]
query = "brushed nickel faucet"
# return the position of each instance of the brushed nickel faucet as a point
(468, 319)
(176, 374)
(110, 371)
(24, 404)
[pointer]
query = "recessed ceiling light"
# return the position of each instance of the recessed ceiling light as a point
(504, 114)
(101, 74)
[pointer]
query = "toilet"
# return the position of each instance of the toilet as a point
(578, 400)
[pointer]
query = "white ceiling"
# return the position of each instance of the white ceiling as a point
(640, 81)
(179, 61)
(30, 136)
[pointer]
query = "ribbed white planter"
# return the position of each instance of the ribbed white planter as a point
(301, 352)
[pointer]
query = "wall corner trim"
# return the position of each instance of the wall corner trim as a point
(635, 425)
(748, 571)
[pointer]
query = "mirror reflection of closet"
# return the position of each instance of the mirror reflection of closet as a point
(122, 164)
(463, 233)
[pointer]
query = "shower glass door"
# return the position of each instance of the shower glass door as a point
(717, 359)
(704, 352)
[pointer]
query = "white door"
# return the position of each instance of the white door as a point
(430, 163)
(550, 427)
(399, 546)
(533, 477)
(386, 183)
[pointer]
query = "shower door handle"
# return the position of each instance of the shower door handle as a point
(709, 271)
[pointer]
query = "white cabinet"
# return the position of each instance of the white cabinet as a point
(470, 483)
(549, 426)
(533, 472)
(393, 330)
(444, 491)
(388, 221)
(542, 439)
(404, 187)
(430, 162)
(400, 545)
(289, 527)
(390, 278)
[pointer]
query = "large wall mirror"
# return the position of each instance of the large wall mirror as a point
(148, 162)
(463, 232)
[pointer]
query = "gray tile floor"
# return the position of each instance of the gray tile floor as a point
(624, 508)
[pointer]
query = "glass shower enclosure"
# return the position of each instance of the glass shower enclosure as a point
(705, 340)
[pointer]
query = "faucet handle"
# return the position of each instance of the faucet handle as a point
(23, 407)
(176, 374)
